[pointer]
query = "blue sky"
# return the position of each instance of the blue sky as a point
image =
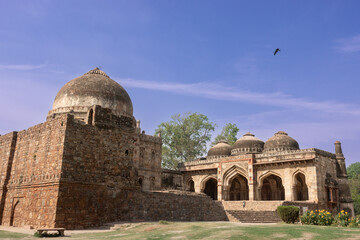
(211, 57)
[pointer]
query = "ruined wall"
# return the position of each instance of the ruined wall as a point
(97, 168)
(171, 179)
(31, 196)
(147, 159)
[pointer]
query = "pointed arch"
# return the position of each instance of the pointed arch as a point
(232, 172)
(90, 117)
(209, 186)
(294, 176)
(190, 185)
(267, 174)
(271, 187)
(299, 186)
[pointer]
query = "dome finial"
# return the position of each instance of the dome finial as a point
(97, 71)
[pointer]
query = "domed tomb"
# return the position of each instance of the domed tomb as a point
(280, 142)
(221, 149)
(93, 88)
(248, 143)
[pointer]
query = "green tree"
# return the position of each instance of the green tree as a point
(229, 133)
(184, 138)
(354, 183)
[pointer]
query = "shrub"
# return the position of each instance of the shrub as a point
(288, 214)
(310, 217)
(318, 217)
(343, 218)
(325, 218)
(355, 221)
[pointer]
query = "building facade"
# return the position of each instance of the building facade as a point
(277, 170)
(89, 164)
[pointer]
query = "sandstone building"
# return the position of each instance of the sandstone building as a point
(266, 175)
(90, 164)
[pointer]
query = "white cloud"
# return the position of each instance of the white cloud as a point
(22, 66)
(215, 91)
(349, 45)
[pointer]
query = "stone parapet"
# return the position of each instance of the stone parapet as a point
(308, 150)
(149, 138)
(201, 162)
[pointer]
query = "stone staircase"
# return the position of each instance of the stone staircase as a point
(249, 216)
(252, 211)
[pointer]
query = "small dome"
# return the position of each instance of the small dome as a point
(221, 149)
(247, 144)
(92, 88)
(280, 142)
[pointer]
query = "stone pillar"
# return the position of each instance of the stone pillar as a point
(225, 193)
(287, 184)
(293, 190)
(220, 183)
(314, 185)
(251, 177)
(197, 184)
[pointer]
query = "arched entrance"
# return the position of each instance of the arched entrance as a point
(272, 188)
(16, 213)
(239, 189)
(300, 188)
(191, 186)
(211, 188)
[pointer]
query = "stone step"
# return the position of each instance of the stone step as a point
(253, 216)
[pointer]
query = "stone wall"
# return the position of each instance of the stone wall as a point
(7, 150)
(147, 159)
(97, 167)
(178, 206)
(31, 188)
(171, 179)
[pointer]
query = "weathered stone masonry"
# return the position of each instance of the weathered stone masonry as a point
(89, 164)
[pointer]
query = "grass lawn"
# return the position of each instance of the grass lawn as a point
(11, 235)
(212, 230)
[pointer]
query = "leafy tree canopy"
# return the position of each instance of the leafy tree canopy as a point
(353, 172)
(228, 133)
(184, 138)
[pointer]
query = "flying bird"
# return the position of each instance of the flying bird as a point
(276, 51)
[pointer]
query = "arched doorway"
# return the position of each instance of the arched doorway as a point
(140, 181)
(211, 188)
(191, 186)
(16, 213)
(301, 189)
(90, 117)
(272, 189)
(239, 189)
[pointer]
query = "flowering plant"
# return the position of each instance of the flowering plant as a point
(343, 218)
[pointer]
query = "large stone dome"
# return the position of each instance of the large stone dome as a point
(221, 149)
(92, 88)
(247, 144)
(280, 142)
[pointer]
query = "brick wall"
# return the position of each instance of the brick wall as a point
(34, 177)
(176, 206)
